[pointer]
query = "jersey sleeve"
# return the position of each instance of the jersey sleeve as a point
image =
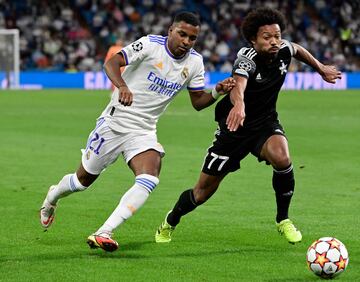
(136, 51)
(244, 65)
(197, 81)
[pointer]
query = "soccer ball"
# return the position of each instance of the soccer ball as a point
(327, 257)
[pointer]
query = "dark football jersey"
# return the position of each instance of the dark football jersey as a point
(264, 83)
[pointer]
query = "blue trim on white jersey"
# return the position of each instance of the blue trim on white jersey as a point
(157, 39)
(125, 56)
(193, 52)
(157, 36)
(146, 183)
(196, 88)
(169, 52)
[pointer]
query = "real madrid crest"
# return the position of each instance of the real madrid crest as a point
(185, 73)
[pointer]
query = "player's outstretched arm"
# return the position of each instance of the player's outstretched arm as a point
(328, 73)
(112, 70)
(236, 115)
(202, 99)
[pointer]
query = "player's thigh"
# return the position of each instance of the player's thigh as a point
(103, 148)
(143, 154)
(225, 154)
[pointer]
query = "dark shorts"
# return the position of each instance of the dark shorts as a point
(229, 148)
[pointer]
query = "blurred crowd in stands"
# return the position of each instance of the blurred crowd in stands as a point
(75, 35)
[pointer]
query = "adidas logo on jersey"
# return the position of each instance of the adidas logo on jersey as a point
(258, 77)
(159, 65)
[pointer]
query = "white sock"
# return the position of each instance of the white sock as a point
(130, 202)
(67, 185)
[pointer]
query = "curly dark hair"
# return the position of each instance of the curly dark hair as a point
(260, 17)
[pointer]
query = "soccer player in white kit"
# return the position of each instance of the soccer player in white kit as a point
(157, 68)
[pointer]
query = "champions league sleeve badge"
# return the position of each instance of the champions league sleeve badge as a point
(243, 65)
(137, 46)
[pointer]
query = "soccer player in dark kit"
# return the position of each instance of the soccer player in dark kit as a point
(248, 121)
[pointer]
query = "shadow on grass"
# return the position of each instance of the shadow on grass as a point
(131, 250)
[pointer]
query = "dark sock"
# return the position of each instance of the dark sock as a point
(184, 205)
(283, 184)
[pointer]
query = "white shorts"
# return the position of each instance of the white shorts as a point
(105, 145)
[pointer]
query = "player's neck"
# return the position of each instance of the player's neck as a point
(172, 53)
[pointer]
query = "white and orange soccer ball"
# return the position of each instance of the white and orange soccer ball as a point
(327, 257)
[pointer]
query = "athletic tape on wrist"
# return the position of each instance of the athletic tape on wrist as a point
(215, 94)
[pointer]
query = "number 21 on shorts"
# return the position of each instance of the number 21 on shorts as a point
(95, 143)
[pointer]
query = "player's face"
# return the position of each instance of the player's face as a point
(182, 37)
(268, 40)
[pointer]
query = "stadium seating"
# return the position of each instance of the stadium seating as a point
(75, 35)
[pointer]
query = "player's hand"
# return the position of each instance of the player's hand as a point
(330, 73)
(125, 96)
(225, 85)
(236, 117)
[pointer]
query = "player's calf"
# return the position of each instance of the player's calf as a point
(284, 185)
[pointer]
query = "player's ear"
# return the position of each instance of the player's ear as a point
(170, 29)
(253, 40)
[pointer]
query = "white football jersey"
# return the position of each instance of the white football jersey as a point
(154, 76)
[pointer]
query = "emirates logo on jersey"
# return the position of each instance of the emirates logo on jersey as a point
(185, 73)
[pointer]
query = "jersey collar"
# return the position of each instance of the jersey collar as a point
(170, 54)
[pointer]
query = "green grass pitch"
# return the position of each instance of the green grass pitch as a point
(230, 238)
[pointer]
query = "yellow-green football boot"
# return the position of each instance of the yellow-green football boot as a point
(288, 229)
(164, 232)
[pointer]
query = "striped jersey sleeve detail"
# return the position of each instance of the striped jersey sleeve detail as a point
(244, 64)
(193, 52)
(157, 39)
(285, 44)
(249, 53)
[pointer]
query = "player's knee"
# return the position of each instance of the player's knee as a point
(283, 181)
(281, 161)
(147, 181)
(76, 185)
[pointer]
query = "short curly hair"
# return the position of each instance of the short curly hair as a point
(260, 17)
(187, 17)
